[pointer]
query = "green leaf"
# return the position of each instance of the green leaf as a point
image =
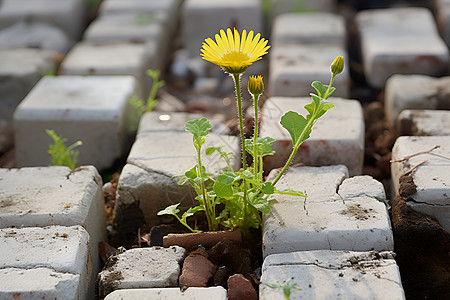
(223, 185)
(169, 210)
(198, 127)
(210, 150)
(263, 146)
(190, 212)
(290, 192)
(262, 204)
(268, 188)
(294, 124)
(191, 173)
(320, 88)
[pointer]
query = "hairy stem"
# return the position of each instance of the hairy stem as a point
(237, 85)
(255, 136)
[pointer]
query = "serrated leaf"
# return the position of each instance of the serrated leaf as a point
(263, 146)
(198, 127)
(294, 124)
(169, 210)
(262, 204)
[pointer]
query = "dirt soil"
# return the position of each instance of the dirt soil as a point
(422, 247)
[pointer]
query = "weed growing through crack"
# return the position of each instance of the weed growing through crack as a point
(288, 286)
(60, 153)
(141, 106)
(236, 199)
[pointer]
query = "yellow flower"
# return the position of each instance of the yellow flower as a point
(255, 85)
(234, 53)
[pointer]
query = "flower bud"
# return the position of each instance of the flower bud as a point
(255, 85)
(337, 66)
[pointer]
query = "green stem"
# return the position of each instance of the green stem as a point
(237, 85)
(205, 199)
(307, 128)
(329, 86)
(244, 221)
(184, 223)
(255, 136)
(295, 148)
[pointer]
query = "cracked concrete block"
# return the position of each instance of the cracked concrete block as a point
(324, 274)
(146, 184)
(293, 67)
(153, 267)
(68, 15)
(58, 248)
(114, 58)
(39, 283)
(415, 92)
(432, 178)
(340, 132)
(192, 293)
(321, 28)
(400, 41)
(205, 18)
(339, 213)
(20, 70)
(44, 196)
(416, 122)
(93, 109)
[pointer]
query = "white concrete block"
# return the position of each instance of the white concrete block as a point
(415, 92)
(144, 8)
(192, 293)
(68, 14)
(294, 67)
(333, 275)
(432, 195)
(59, 248)
(278, 7)
(42, 283)
(146, 184)
(35, 35)
(424, 122)
(340, 131)
(133, 28)
(330, 218)
(153, 267)
(400, 41)
(119, 58)
(38, 197)
(309, 28)
(20, 70)
(93, 109)
(205, 18)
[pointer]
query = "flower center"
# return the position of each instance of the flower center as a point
(235, 57)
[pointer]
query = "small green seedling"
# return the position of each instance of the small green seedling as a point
(139, 105)
(62, 155)
(286, 286)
